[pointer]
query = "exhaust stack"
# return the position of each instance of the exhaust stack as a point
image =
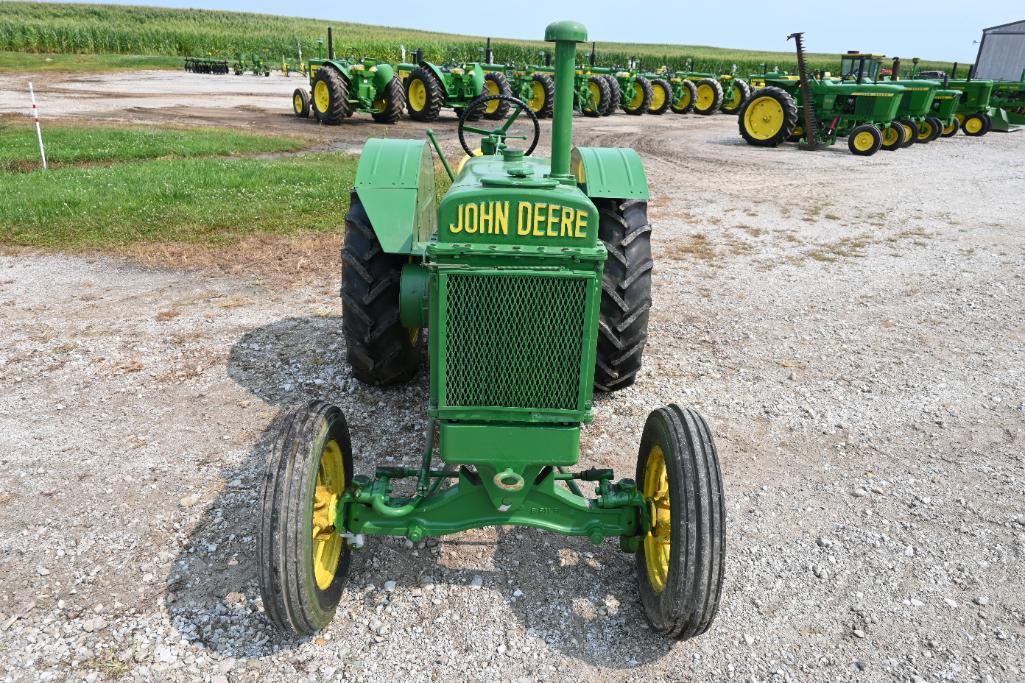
(565, 35)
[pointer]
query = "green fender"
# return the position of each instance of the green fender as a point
(436, 70)
(395, 182)
(343, 67)
(383, 75)
(476, 78)
(614, 172)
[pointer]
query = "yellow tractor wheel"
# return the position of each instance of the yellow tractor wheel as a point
(768, 117)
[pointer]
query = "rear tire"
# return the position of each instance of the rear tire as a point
(864, 140)
(641, 99)
(768, 117)
(302, 575)
(684, 104)
(393, 102)
(741, 91)
(709, 97)
(681, 560)
(423, 95)
(380, 350)
(330, 96)
(615, 94)
(543, 89)
(496, 83)
(661, 96)
(626, 292)
(599, 88)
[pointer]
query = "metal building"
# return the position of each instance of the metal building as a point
(1002, 52)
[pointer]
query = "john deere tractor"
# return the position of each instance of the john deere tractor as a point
(431, 87)
(723, 92)
(339, 88)
(853, 107)
(532, 278)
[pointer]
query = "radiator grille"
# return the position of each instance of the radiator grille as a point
(514, 341)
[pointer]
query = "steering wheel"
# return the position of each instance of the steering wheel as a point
(500, 134)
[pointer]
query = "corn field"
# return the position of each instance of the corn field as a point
(91, 29)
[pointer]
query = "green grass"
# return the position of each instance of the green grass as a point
(209, 201)
(109, 29)
(76, 144)
(83, 63)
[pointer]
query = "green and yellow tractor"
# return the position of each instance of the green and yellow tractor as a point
(787, 106)
(716, 93)
(532, 279)
(431, 87)
(339, 88)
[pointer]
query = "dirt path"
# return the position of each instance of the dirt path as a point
(853, 328)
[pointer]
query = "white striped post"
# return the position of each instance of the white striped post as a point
(39, 131)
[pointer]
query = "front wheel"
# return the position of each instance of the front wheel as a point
(974, 125)
(680, 561)
(685, 96)
(738, 95)
(937, 127)
(301, 103)
(661, 96)
(894, 137)
(301, 556)
(709, 97)
(865, 140)
(912, 129)
(950, 130)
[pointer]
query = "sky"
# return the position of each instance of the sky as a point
(940, 29)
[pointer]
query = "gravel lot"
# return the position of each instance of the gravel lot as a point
(853, 328)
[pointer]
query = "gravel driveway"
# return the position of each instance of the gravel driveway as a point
(853, 328)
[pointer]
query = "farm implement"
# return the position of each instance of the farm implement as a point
(532, 278)
(818, 112)
(339, 88)
(206, 65)
(250, 63)
(1008, 104)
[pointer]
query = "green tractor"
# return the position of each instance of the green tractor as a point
(339, 88)
(532, 278)
(431, 87)
(915, 112)
(253, 62)
(594, 93)
(534, 87)
(852, 107)
(636, 92)
(973, 109)
(716, 93)
(1008, 104)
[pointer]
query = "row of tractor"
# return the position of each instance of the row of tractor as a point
(339, 88)
(873, 107)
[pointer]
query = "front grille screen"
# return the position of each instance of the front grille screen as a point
(514, 341)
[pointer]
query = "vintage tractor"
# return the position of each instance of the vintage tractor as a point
(339, 88)
(725, 92)
(636, 92)
(853, 107)
(915, 112)
(593, 91)
(253, 62)
(431, 87)
(974, 111)
(533, 279)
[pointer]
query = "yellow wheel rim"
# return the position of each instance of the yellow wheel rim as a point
(657, 542)
(924, 130)
(706, 97)
(764, 117)
(973, 124)
(492, 88)
(297, 103)
(537, 97)
(417, 94)
(684, 100)
(638, 98)
(595, 96)
(890, 136)
(863, 141)
(907, 130)
(949, 130)
(658, 96)
(321, 96)
(327, 544)
(798, 132)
